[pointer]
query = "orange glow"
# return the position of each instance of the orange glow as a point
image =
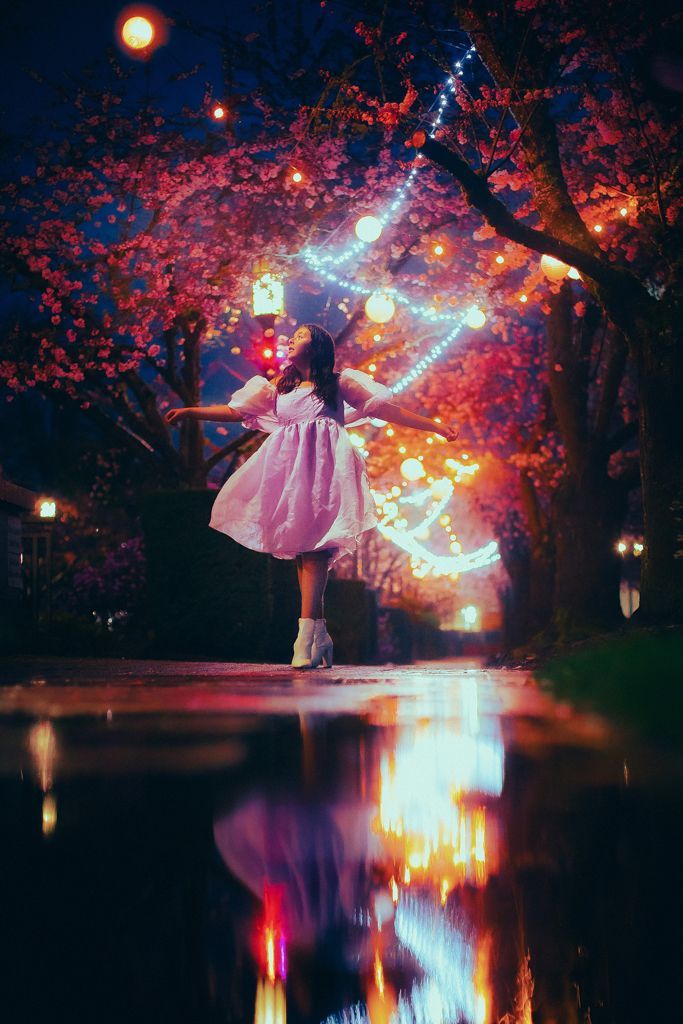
(268, 353)
(297, 177)
(597, 228)
(379, 973)
(500, 259)
(482, 983)
(623, 211)
(523, 298)
(140, 30)
(137, 32)
(438, 250)
(270, 954)
(218, 112)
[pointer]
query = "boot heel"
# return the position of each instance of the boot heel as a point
(327, 657)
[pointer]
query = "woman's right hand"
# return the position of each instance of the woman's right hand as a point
(174, 416)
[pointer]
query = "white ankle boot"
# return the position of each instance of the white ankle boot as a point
(303, 644)
(321, 649)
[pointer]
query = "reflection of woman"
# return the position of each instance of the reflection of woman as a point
(305, 494)
(318, 857)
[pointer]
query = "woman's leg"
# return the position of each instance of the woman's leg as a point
(299, 571)
(313, 583)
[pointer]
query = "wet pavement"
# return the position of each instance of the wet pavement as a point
(189, 842)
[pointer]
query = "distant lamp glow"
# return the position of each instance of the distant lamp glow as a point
(438, 250)
(554, 269)
(623, 211)
(500, 259)
(137, 32)
(470, 614)
(523, 298)
(597, 228)
(368, 229)
(47, 508)
(380, 307)
(412, 469)
(574, 274)
(476, 318)
(637, 549)
(268, 295)
(297, 177)
(218, 112)
(621, 547)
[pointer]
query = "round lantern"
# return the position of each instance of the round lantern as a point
(412, 469)
(554, 269)
(380, 307)
(368, 229)
(137, 32)
(476, 318)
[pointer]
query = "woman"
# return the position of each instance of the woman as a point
(305, 494)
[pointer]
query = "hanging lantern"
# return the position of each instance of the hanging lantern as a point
(137, 32)
(380, 307)
(574, 274)
(476, 318)
(412, 469)
(368, 229)
(268, 295)
(140, 30)
(554, 269)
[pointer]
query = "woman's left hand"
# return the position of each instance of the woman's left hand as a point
(450, 433)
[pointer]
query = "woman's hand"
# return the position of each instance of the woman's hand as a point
(174, 416)
(450, 433)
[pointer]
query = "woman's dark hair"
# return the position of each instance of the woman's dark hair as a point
(325, 380)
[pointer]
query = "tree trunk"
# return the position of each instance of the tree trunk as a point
(660, 368)
(587, 516)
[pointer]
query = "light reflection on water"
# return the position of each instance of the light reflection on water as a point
(416, 853)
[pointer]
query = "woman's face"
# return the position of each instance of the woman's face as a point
(299, 344)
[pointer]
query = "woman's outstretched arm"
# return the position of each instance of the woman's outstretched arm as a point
(217, 413)
(401, 417)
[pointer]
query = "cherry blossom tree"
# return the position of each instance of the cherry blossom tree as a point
(130, 239)
(565, 144)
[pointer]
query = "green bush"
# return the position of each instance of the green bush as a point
(635, 679)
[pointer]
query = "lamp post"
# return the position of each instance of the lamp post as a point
(268, 302)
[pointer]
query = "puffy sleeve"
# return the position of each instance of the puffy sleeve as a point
(256, 402)
(363, 397)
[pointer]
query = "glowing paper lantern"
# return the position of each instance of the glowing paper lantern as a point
(554, 269)
(137, 32)
(380, 307)
(476, 318)
(368, 229)
(574, 274)
(412, 469)
(268, 295)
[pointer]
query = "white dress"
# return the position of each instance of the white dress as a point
(307, 487)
